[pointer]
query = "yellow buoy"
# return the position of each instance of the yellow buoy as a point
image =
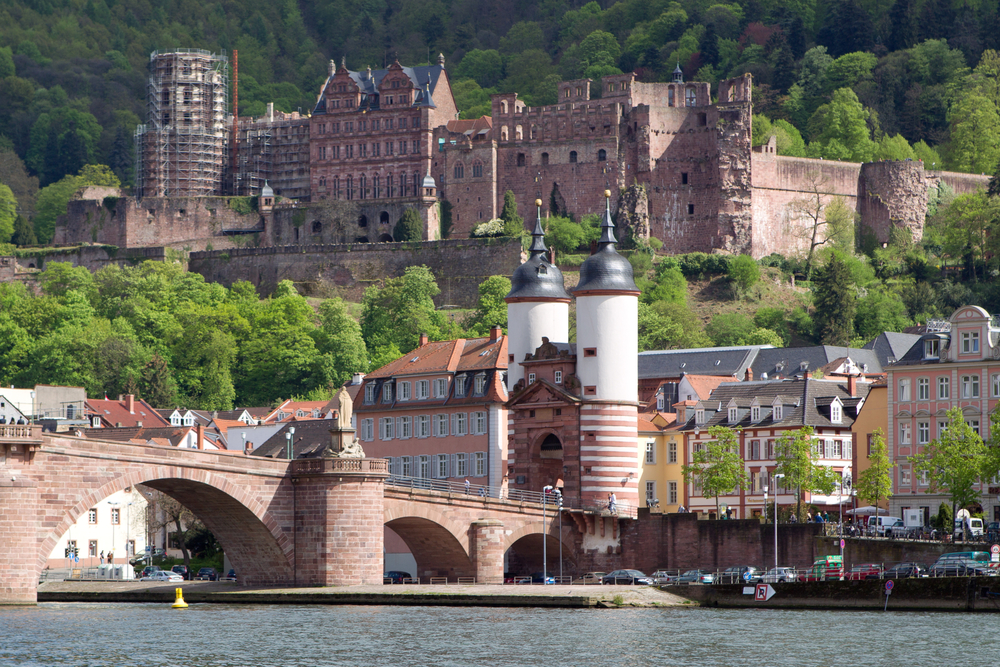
(179, 603)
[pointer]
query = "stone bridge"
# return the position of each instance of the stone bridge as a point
(300, 523)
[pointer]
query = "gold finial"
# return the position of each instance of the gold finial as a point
(607, 194)
(538, 202)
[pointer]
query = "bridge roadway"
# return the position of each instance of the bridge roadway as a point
(302, 523)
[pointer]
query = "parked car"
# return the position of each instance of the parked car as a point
(975, 527)
(739, 574)
(827, 568)
(960, 567)
(591, 578)
(162, 575)
(993, 531)
(208, 573)
(230, 576)
(182, 570)
(396, 576)
(696, 577)
(779, 575)
(149, 569)
(902, 570)
(627, 577)
(664, 577)
(542, 577)
(865, 571)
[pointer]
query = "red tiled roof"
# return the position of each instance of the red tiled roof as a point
(704, 385)
(447, 356)
(114, 412)
(470, 125)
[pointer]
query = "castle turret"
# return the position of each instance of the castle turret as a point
(537, 305)
(607, 348)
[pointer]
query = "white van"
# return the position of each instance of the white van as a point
(880, 525)
(976, 530)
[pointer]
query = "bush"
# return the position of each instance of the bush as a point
(700, 264)
(729, 329)
(409, 227)
(489, 229)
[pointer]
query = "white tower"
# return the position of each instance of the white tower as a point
(607, 348)
(537, 305)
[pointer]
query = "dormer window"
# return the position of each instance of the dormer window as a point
(755, 413)
(387, 393)
(370, 393)
(660, 402)
(189, 419)
(480, 386)
(836, 412)
(175, 419)
(732, 415)
(932, 349)
(95, 422)
(557, 377)
(776, 412)
(404, 391)
(460, 385)
(970, 342)
(699, 416)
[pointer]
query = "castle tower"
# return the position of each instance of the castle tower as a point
(537, 305)
(607, 348)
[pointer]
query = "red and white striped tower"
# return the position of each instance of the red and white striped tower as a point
(607, 348)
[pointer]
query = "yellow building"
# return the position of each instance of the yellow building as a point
(874, 415)
(660, 452)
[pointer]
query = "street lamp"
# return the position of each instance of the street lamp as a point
(559, 502)
(777, 476)
(288, 439)
(114, 506)
(763, 472)
(545, 556)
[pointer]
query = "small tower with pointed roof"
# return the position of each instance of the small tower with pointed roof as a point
(537, 304)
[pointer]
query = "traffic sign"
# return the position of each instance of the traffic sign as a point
(995, 549)
(764, 593)
(746, 576)
(888, 587)
(843, 543)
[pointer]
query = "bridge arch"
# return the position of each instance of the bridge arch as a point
(250, 536)
(439, 545)
(523, 546)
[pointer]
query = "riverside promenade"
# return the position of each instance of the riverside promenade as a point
(454, 595)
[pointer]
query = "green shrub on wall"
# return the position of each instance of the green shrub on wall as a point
(243, 205)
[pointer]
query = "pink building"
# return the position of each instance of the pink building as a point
(437, 413)
(956, 363)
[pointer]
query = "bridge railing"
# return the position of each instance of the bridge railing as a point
(20, 432)
(623, 510)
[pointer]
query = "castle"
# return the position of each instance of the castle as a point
(680, 166)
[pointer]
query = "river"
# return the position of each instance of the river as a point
(151, 635)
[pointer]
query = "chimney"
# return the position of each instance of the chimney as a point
(200, 434)
(852, 385)
(423, 340)
(495, 333)
(749, 375)
(358, 378)
(552, 256)
(130, 403)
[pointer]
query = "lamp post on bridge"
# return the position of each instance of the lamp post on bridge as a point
(545, 555)
(777, 476)
(288, 440)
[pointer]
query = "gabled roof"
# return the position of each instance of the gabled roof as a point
(785, 362)
(704, 385)
(727, 361)
(423, 77)
(556, 392)
(447, 356)
(890, 345)
(113, 413)
(471, 127)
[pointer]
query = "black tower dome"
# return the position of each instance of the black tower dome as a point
(606, 270)
(537, 279)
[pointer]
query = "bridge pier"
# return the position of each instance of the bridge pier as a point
(338, 534)
(486, 547)
(18, 540)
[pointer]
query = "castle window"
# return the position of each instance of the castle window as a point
(611, 87)
(534, 130)
(503, 132)
(690, 97)
(383, 218)
(590, 351)
(336, 187)
(459, 170)
(702, 119)
(690, 209)
(572, 156)
(477, 170)
(389, 190)
(350, 187)
(317, 227)
(416, 184)
(545, 158)
(602, 155)
(590, 390)
(503, 106)
(362, 186)
(518, 133)
(520, 159)
(670, 97)
(375, 187)
(684, 178)
(363, 221)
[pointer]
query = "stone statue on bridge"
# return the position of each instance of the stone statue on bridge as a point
(343, 441)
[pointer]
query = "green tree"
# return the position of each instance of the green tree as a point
(567, 236)
(954, 463)
(840, 129)
(826, 220)
(893, 148)
(491, 309)
(485, 66)
(967, 228)
(24, 233)
(409, 227)
(835, 300)
(718, 467)
(975, 134)
(796, 451)
(743, 274)
(729, 328)
(850, 69)
(399, 312)
(8, 213)
(53, 201)
(513, 224)
(339, 337)
(875, 482)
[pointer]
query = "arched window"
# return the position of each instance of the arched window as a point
(534, 132)
(350, 187)
(317, 227)
(383, 218)
(416, 185)
(518, 133)
(361, 239)
(459, 170)
(477, 170)
(503, 106)
(389, 191)
(385, 238)
(602, 155)
(362, 185)
(545, 158)
(403, 191)
(363, 221)
(572, 156)
(690, 97)
(670, 96)
(375, 186)
(336, 187)
(520, 159)
(503, 133)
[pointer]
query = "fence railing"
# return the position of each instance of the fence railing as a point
(551, 499)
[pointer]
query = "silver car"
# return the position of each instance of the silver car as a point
(162, 575)
(779, 575)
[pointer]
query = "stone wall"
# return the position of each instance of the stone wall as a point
(458, 265)
(93, 257)
(892, 195)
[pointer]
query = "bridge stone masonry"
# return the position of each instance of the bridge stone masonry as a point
(309, 522)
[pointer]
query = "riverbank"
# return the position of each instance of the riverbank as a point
(225, 592)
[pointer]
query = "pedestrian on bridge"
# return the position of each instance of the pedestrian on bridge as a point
(467, 485)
